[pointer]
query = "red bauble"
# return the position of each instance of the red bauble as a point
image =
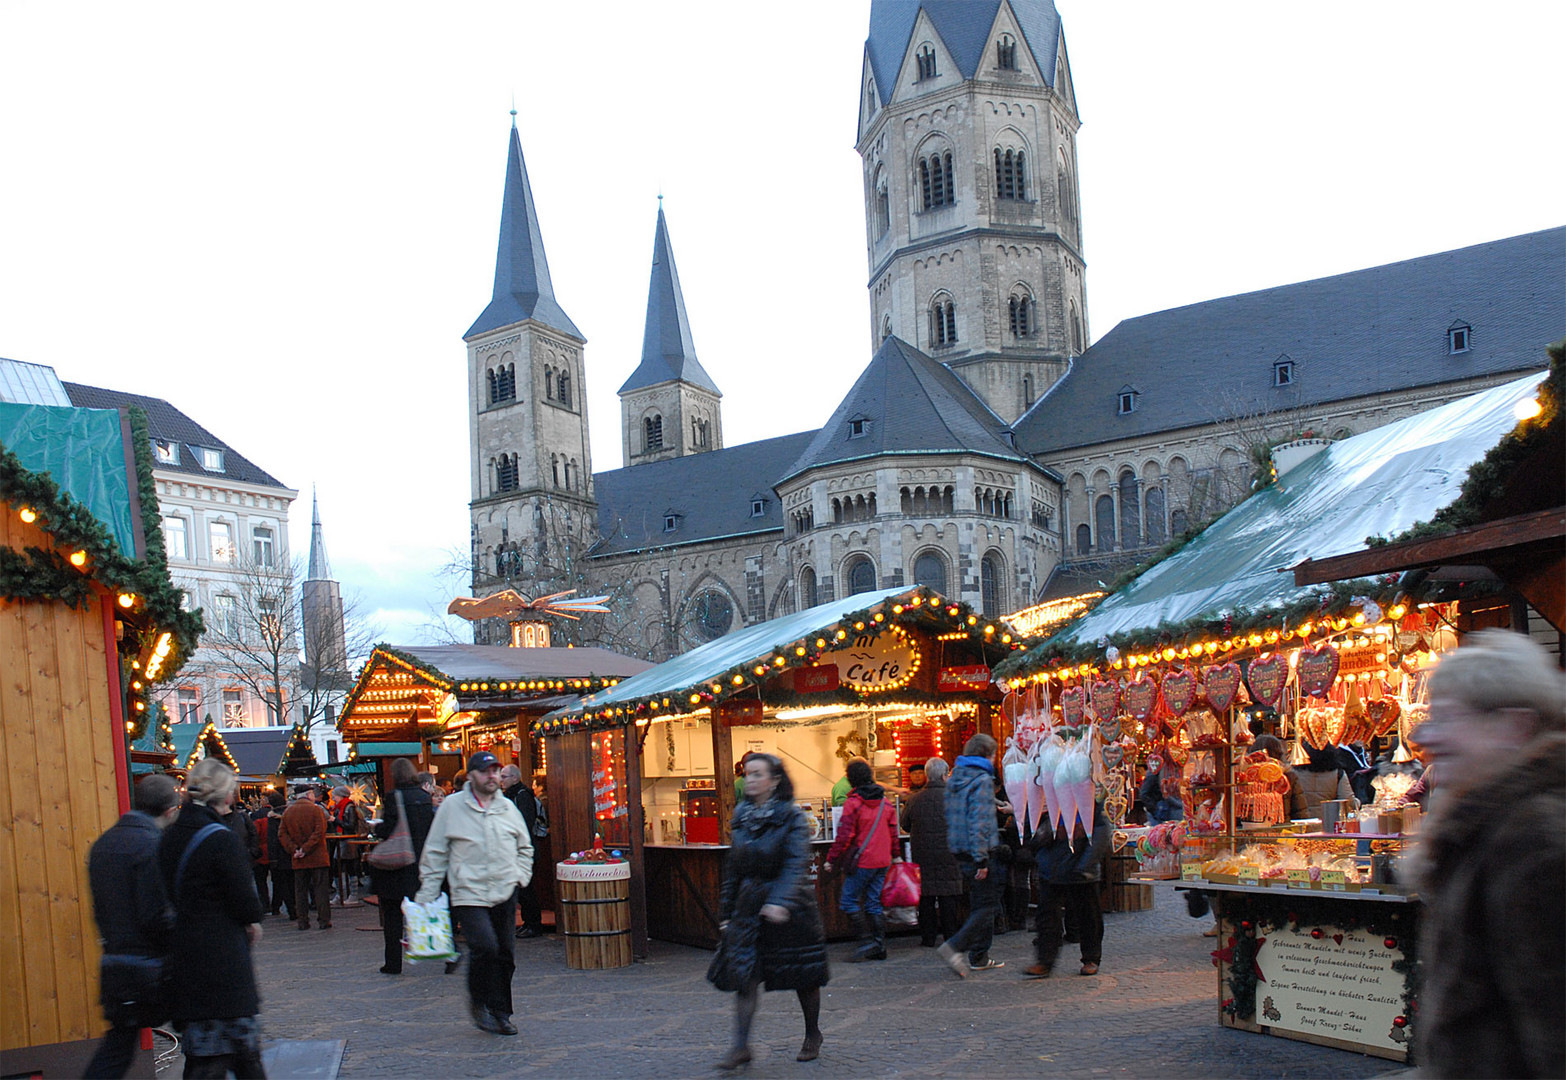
(1317, 934)
(1400, 1021)
(1245, 926)
(1390, 943)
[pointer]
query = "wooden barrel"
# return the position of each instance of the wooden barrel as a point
(595, 914)
(1118, 894)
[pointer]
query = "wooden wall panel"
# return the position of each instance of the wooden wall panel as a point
(570, 781)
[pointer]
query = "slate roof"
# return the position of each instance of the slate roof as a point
(522, 286)
(964, 26)
(711, 492)
(166, 423)
(1352, 335)
(320, 568)
(912, 404)
(259, 751)
(668, 353)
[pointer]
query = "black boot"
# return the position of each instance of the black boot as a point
(862, 943)
(875, 948)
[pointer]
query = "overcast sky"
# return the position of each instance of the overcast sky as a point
(282, 217)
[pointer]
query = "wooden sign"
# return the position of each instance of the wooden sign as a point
(876, 664)
(956, 680)
(1339, 986)
(816, 680)
(739, 712)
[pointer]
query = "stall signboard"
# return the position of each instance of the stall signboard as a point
(738, 713)
(874, 664)
(956, 680)
(1339, 986)
(816, 680)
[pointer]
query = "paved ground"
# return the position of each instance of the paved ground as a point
(1151, 1012)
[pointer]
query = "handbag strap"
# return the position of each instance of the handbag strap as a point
(873, 826)
(190, 849)
(402, 811)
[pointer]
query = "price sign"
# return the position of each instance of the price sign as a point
(1297, 877)
(1333, 877)
(1250, 877)
(1191, 871)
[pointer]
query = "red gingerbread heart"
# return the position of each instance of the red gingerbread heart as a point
(1264, 677)
(1105, 697)
(1383, 716)
(1222, 683)
(1318, 667)
(1139, 696)
(1179, 690)
(1073, 702)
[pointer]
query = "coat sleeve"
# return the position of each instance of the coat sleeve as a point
(432, 864)
(236, 884)
(1532, 984)
(154, 913)
(730, 884)
(796, 858)
(1345, 789)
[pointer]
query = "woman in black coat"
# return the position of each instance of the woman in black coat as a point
(940, 879)
(217, 918)
(393, 886)
(770, 925)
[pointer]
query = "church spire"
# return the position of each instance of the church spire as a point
(522, 286)
(320, 569)
(668, 353)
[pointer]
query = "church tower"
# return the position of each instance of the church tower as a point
(967, 133)
(669, 407)
(321, 610)
(532, 473)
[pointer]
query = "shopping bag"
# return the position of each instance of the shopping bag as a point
(902, 916)
(901, 888)
(396, 851)
(427, 930)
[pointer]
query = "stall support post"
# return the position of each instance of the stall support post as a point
(634, 852)
(986, 719)
(723, 772)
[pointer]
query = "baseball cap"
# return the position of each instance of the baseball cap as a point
(481, 761)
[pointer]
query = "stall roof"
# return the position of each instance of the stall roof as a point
(186, 737)
(271, 751)
(1378, 483)
(83, 450)
(464, 663)
(387, 749)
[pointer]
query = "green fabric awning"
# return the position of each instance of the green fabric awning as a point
(388, 749)
(83, 452)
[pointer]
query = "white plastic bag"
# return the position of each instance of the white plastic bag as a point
(427, 930)
(902, 916)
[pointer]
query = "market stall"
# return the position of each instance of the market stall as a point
(268, 758)
(895, 676)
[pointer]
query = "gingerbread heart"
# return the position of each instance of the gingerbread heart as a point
(1109, 729)
(1073, 703)
(1105, 697)
(1318, 667)
(1383, 716)
(1179, 690)
(1264, 677)
(1139, 696)
(1222, 683)
(1112, 755)
(1130, 727)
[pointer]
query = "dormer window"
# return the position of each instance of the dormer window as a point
(1128, 396)
(758, 508)
(926, 59)
(858, 427)
(1006, 53)
(166, 451)
(211, 460)
(671, 521)
(1283, 371)
(1459, 338)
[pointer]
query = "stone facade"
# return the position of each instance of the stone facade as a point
(669, 420)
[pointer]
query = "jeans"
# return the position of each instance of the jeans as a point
(112, 1059)
(984, 897)
(491, 934)
(1077, 905)
(312, 881)
(862, 891)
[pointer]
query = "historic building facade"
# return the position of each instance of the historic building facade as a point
(989, 449)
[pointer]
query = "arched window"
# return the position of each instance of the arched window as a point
(1130, 511)
(907, 503)
(549, 383)
(929, 569)
(870, 504)
(652, 433)
(883, 202)
(1068, 204)
(1006, 53)
(1076, 329)
(947, 502)
(837, 512)
(1084, 539)
(576, 476)
(936, 182)
(492, 389)
(1104, 521)
(554, 468)
(1010, 177)
(506, 472)
(991, 591)
(1027, 392)
(861, 576)
(807, 588)
(943, 321)
(926, 59)
(563, 389)
(1019, 310)
(1179, 524)
(1155, 514)
(886, 327)
(921, 502)
(1006, 512)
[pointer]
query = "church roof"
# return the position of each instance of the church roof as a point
(905, 403)
(710, 496)
(1367, 332)
(964, 26)
(522, 286)
(320, 568)
(166, 424)
(668, 353)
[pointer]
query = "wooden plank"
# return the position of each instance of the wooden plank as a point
(633, 789)
(13, 720)
(1463, 545)
(723, 772)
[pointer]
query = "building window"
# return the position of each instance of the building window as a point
(990, 588)
(1459, 338)
(886, 327)
(1283, 373)
(174, 538)
(1179, 524)
(166, 451)
(502, 383)
(507, 473)
(858, 427)
(807, 588)
(1068, 204)
(861, 576)
(671, 522)
(1104, 522)
(936, 181)
(1019, 310)
(549, 384)
(261, 541)
(926, 59)
(1010, 176)
(188, 705)
(943, 322)
(883, 202)
(563, 389)
(274, 713)
(713, 614)
(758, 508)
(1155, 515)
(1006, 53)
(1076, 330)
(1130, 510)
(554, 468)
(233, 708)
(1084, 539)
(652, 433)
(929, 570)
(1027, 392)
(222, 534)
(212, 460)
(1128, 398)
(226, 607)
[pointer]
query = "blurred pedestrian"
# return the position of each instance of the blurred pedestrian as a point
(940, 881)
(866, 835)
(394, 886)
(303, 834)
(972, 834)
(1070, 864)
(281, 861)
(528, 908)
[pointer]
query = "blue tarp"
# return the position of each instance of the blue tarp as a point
(83, 452)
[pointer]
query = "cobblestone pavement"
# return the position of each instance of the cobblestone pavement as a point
(1152, 1011)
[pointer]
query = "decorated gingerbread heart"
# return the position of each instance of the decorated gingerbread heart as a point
(1222, 683)
(1264, 677)
(1383, 716)
(1105, 697)
(1318, 667)
(1139, 696)
(1112, 755)
(1179, 689)
(1073, 703)
(1109, 729)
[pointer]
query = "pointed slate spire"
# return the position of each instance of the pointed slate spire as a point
(522, 286)
(668, 353)
(320, 569)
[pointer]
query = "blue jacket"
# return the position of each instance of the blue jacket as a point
(971, 828)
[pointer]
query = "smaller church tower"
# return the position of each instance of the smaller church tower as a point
(669, 407)
(321, 610)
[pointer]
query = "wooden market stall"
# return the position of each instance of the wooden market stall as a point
(896, 676)
(192, 742)
(1317, 937)
(267, 758)
(89, 622)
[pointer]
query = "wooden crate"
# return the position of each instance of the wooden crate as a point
(595, 914)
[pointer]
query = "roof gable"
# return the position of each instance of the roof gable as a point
(964, 28)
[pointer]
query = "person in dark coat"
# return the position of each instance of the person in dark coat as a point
(244, 828)
(281, 862)
(940, 881)
(394, 886)
(771, 929)
(528, 908)
(261, 864)
(135, 922)
(217, 920)
(1070, 866)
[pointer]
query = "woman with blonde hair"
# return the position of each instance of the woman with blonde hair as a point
(217, 919)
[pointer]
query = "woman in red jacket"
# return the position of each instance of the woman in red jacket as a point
(867, 833)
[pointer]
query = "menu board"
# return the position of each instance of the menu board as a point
(1338, 986)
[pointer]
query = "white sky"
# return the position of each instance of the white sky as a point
(283, 217)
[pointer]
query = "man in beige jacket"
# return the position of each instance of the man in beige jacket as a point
(480, 845)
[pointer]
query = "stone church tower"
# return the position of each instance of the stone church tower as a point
(669, 407)
(967, 131)
(532, 505)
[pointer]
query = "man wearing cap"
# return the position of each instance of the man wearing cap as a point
(480, 845)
